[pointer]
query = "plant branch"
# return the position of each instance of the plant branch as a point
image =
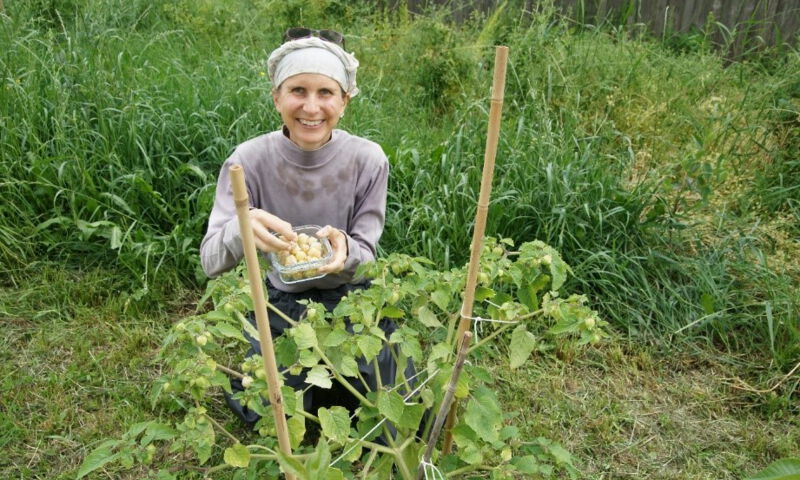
(221, 428)
(341, 379)
(232, 373)
(466, 469)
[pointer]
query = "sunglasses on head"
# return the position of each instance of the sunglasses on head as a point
(302, 32)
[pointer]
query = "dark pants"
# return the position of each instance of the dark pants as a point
(316, 397)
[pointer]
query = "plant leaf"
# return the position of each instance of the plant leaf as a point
(304, 336)
(370, 346)
(100, 456)
(428, 318)
(441, 298)
(483, 414)
(335, 423)
(297, 430)
(522, 344)
(391, 406)
(783, 469)
(237, 456)
(390, 311)
(319, 376)
(336, 338)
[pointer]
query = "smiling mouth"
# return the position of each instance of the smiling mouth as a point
(310, 123)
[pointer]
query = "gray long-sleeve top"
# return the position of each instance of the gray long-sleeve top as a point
(342, 184)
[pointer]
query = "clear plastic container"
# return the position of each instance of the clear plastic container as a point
(301, 270)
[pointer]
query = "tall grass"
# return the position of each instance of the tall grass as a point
(639, 162)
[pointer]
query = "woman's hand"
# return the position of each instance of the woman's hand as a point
(338, 245)
(264, 224)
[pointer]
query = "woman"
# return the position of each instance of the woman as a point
(308, 172)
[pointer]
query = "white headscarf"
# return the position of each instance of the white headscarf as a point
(313, 55)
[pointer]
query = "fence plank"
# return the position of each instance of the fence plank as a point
(770, 20)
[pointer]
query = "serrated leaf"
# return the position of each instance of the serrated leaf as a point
(370, 346)
(484, 415)
(158, 431)
(335, 423)
(308, 358)
(526, 464)
(411, 348)
(336, 338)
(561, 455)
(391, 405)
(348, 366)
(289, 399)
(286, 353)
(471, 454)
(482, 293)
(317, 464)
(291, 465)
(227, 330)
(412, 415)
(558, 269)
(390, 311)
(462, 387)
(522, 344)
(297, 430)
(335, 473)
(784, 469)
(100, 456)
(428, 318)
(237, 456)
(304, 336)
(319, 376)
(441, 298)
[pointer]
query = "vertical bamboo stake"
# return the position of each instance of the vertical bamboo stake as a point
(448, 398)
(492, 137)
(260, 305)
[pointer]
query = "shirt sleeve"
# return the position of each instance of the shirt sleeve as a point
(368, 220)
(221, 248)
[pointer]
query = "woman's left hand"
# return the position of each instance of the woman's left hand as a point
(338, 245)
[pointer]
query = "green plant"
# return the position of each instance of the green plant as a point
(784, 469)
(519, 292)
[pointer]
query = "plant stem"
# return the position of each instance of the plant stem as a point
(341, 379)
(502, 329)
(221, 428)
(378, 447)
(468, 468)
(279, 313)
(368, 464)
(401, 465)
(230, 372)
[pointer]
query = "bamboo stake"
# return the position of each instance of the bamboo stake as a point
(448, 398)
(492, 137)
(260, 305)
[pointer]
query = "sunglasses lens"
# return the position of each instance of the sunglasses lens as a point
(297, 32)
(332, 36)
(302, 32)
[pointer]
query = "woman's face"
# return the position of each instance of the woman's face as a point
(310, 105)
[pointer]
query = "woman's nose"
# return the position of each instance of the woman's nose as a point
(311, 105)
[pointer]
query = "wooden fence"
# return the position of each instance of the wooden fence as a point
(736, 24)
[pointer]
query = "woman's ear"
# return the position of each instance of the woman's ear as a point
(275, 99)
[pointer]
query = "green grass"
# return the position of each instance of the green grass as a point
(665, 175)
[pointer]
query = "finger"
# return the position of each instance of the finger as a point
(272, 223)
(263, 225)
(338, 242)
(267, 242)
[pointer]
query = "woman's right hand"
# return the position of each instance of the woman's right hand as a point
(264, 224)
